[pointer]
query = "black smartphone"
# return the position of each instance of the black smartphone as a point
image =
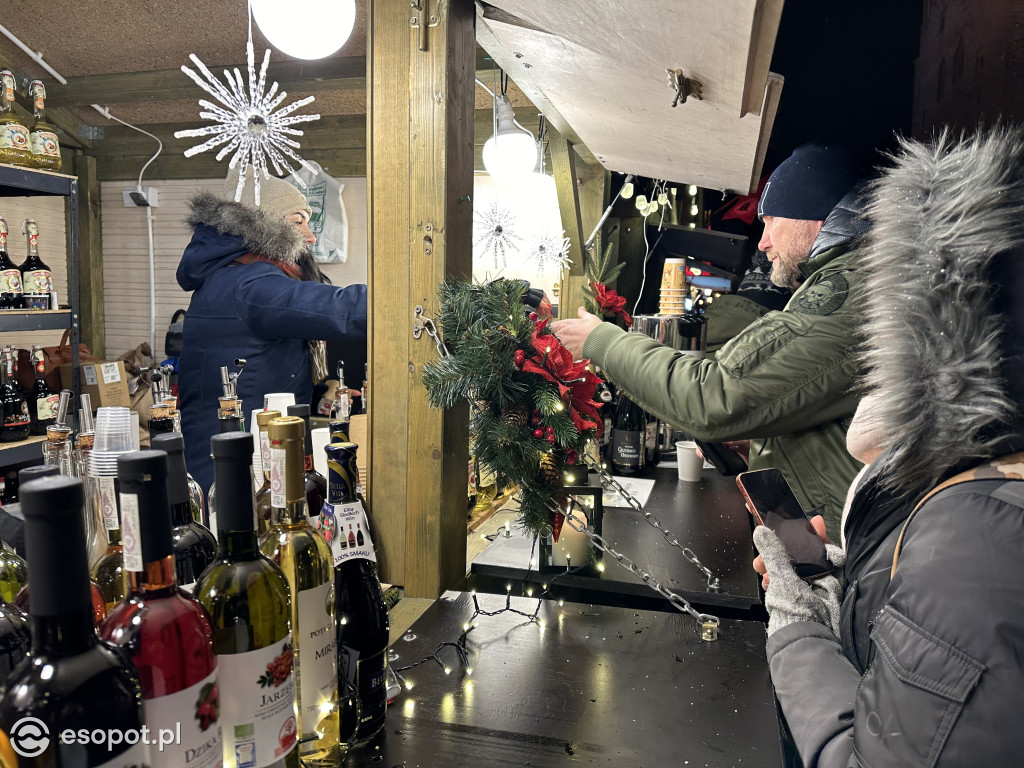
(727, 462)
(773, 505)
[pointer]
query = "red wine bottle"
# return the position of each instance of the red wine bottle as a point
(628, 437)
(194, 545)
(42, 401)
(316, 484)
(10, 275)
(72, 680)
(163, 630)
(360, 611)
(15, 639)
(13, 403)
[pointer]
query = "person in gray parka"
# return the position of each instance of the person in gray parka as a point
(922, 663)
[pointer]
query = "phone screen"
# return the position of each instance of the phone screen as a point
(776, 508)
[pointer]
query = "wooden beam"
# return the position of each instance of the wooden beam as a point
(339, 162)
(90, 256)
(563, 164)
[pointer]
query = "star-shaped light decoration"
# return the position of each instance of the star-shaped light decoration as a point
(497, 233)
(549, 248)
(247, 123)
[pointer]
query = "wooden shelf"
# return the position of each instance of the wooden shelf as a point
(26, 450)
(35, 320)
(16, 180)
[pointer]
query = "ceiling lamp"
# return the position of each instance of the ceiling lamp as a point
(511, 152)
(305, 29)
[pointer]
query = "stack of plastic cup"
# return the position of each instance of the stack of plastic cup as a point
(113, 436)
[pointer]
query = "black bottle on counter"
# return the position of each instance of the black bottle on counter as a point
(629, 430)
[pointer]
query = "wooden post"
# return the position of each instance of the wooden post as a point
(420, 179)
(90, 257)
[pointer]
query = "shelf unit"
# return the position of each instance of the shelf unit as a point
(16, 181)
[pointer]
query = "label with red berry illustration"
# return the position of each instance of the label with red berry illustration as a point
(195, 712)
(257, 704)
(353, 538)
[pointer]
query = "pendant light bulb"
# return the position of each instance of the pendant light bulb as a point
(511, 153)
(627, 190)
(305, 29)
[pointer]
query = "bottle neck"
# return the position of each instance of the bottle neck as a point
(236, 515)
(181, 514)
(67, 634)
(155, 575)
(293, 513)
(238, 545)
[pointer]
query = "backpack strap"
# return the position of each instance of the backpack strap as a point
(1010, 467)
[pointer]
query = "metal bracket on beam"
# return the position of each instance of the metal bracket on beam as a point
(684, 87)
(420, 13)
(91, 132)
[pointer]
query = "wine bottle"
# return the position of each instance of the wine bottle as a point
(13, 402)
(246, 595)
(14, 140)
(628, 434)
(652, 452)
(42, 401)
(194, 545)
(108, 572)
(36, 280)
(339, 430)
(10, 276)
(42, 137)
(360, 611)
(71, 680)
(15, 639)
(160, 420)
(315, 483)
(306, 560)
(13, 573)
(163, 630)
(263, 419)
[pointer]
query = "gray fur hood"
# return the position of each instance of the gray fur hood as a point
(263, 233)
(943, 305)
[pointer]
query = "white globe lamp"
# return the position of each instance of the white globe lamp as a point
(305, 29)
(511, 153)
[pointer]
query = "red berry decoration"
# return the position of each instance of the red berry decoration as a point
(536, 420)
(519, 358)
(533, 317)
(550, 438)
(538, 433)
(570, 457)
(549, 430)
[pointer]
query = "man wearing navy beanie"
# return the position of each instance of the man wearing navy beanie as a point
(784, 382)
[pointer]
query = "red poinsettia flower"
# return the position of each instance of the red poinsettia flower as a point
(576, 384)
(610, 303)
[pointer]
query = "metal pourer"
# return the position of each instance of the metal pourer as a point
(229, 381)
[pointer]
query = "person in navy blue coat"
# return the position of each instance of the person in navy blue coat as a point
(255, 296)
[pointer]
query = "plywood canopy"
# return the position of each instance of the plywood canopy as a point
(597, 70)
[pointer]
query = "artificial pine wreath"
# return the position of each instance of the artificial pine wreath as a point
(534, 407)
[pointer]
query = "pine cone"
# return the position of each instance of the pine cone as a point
(548, 470)
(517, 414)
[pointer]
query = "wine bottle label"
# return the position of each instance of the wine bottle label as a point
(134, 756)
(277, 475)
(14, 136)
(10, 279)
(257, 704)
(368, 675)
(626, 447)
(108, 503)
(193, 715)
(46, 407)
(37, 281)
(317, 660)
(44, 143)
(18, 416)
(131, 541)
(342, 520)
(265, 448)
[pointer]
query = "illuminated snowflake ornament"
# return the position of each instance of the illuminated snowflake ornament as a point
(549, 249)
(247, 123)
(496, 232)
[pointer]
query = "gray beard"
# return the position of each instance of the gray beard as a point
(785, 275)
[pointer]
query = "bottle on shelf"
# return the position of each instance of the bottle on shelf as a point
(263, 419)
(194, 545)
(306, 561)
(360, 611)
(15, 639)
(36, 280)
(14, 139)
(16, 420)
(246, 595)
(11, 291)
(628, 437)
(315, 483)
(42, 401)
(163, 630)
(42, 137)
(71, 680)
(21, 601)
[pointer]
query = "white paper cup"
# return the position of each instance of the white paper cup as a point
(257, 457)
(278, 401)
(321, 437)
(688, 463)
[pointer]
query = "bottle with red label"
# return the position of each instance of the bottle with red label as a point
(14, 140)
(42, 138)
(36, 281)
(42, 401)
(10, 275)
(16, 421)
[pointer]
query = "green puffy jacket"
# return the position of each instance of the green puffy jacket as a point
(784, 383)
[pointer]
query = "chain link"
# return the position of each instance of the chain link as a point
(606, 478)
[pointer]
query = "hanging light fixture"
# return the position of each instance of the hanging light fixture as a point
(512, 151)
(305, 29)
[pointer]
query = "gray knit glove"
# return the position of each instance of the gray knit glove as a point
(789, 598)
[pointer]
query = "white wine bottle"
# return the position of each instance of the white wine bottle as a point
(246, 595)
(305, 558)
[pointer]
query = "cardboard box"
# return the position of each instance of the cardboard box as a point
(105, 383)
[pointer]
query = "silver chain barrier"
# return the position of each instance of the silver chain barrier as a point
(606, 478)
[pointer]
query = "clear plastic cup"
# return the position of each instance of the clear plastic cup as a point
(114, 430)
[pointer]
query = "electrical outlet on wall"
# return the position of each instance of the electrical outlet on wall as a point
(134, 199)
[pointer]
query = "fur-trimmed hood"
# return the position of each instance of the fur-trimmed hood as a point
(943, 300)
(224, 230)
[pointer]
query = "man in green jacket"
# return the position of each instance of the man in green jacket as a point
(784, 382)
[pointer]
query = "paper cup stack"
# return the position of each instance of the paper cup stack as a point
(673, 287)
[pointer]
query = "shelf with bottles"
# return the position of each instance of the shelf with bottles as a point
(34, 319)
(19, 180)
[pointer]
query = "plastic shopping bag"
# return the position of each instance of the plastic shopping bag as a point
(328, 222)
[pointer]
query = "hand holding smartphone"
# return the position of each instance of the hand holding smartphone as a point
(772, 503)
